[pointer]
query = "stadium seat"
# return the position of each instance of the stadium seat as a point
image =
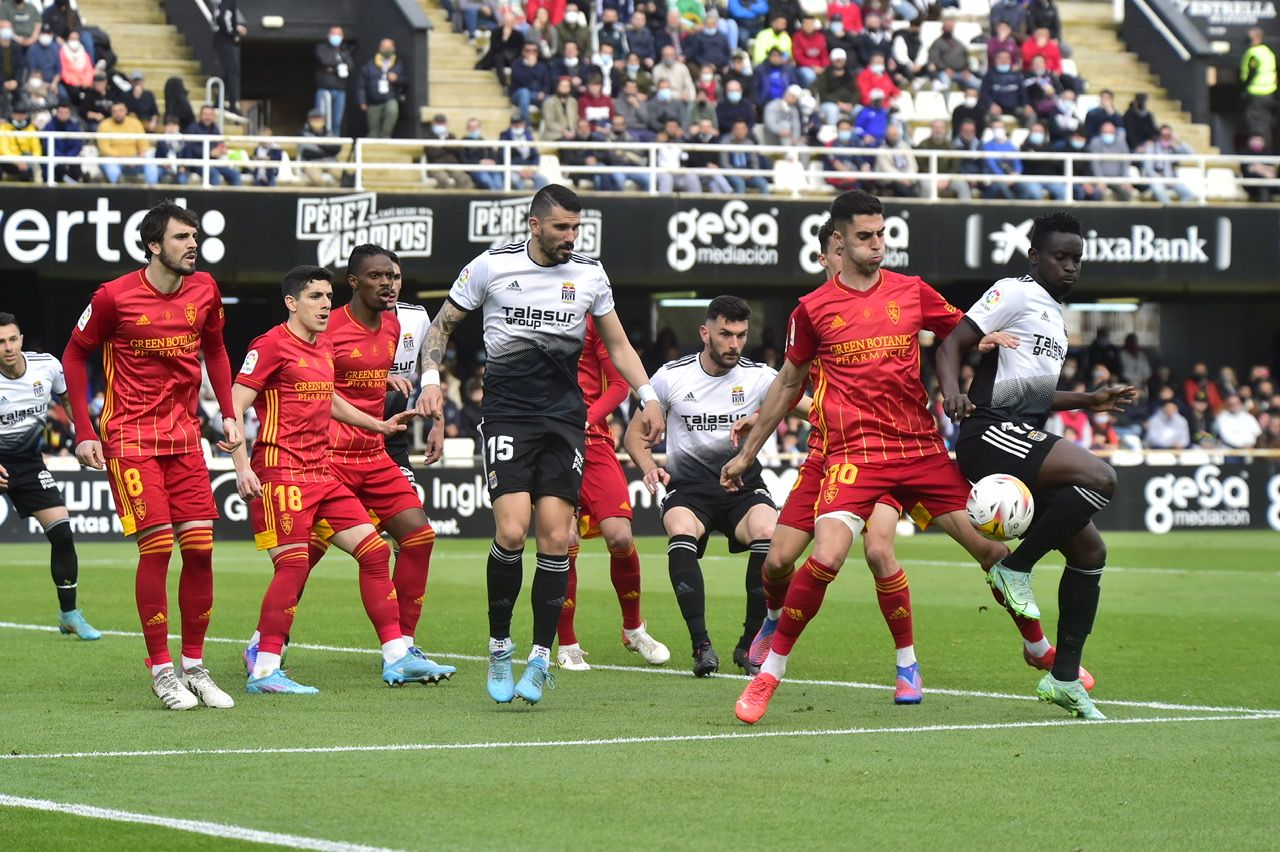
(1221, 184)
(980, 9)
(918, 135)
(930, 30)
(1069, 67)
(930, 105)
(1086, 103)
(1019, 135)
(967, 31)
(789, 176)
(549, 165)
(287, 173)
(459, 452)
(1194, 177)
(954, 99)
(826, 133)
(817, 179)
(816, 8)
(906, 105)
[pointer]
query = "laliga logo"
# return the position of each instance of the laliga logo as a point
(897, 242)
(339, 223)
(1199, 500)
(27, 235)
(729, 237)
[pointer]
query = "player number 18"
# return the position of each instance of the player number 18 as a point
(289, 498)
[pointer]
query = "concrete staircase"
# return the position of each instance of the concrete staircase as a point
(1102, 59)
(144, 41)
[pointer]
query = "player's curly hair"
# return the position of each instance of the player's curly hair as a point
(1053, 223)
(363, 252)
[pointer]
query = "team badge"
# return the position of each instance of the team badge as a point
(895, 313)
(286, 523)
(1035, 435)
(250, 361)
(406, 342)
(866, 313)
(140, 508)
(493, 480)
(373, 349)
(168, 315)
(833, 488)
(567, 292)
(739, 395)
(190, 311)
(37, 388)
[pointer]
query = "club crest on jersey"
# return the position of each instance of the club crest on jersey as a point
(168, 315)
(1036, 435)
(894, 312)
(406, 342)
(190, 311)
(739, 395)
(140, 508)
(286, 523)
(37, 387)
(833, 489)
(866, 313)
(567, 292)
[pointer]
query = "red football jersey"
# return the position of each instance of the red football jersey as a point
(294, 380)
(603, 388)
(150, 344)
(362, 357)
(870, 403)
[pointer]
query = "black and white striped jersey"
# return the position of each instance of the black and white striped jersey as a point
(24, 405)
(535, 318)
(1017, 385)
(700, 409)
(414, 320)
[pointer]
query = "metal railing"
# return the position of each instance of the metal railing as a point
(358, 157)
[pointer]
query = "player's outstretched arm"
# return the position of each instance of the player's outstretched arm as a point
(345, 412)
(247, 484)
(431, 400)
(962, 338)
(786, 388)
(637, 446)
(653, 424)
(1107, 398)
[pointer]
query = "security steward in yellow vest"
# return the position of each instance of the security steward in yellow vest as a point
(1258, 76)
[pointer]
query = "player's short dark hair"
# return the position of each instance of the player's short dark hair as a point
(7, 318)
(855, 202)
(153, 225)
(297, 279)
(1053, 223)
(728, 308)
(551, 196)
(363, 252)
(395, 258)
(825, 233)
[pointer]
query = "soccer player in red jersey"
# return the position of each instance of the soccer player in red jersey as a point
(604, 510)
(151, 326)
(288, 378)
(364, 336)
(878, 435)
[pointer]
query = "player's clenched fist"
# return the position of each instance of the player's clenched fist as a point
(430, 402)
(731, 473)
(89, 454)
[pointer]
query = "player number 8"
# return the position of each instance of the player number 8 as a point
(501, 448)
(289, 498)
(133, 481)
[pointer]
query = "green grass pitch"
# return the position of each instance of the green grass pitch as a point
(623, 756)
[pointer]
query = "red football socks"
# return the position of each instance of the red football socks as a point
(412, 566)
(376, 590)
(894, 597)
(280, 603)
(564, 629)
(803, 600)
(151, 592)
(624, 571)
(195, 588)
(775, 590)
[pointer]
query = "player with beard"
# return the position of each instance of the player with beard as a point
(365, 336)
(702, 396)
(1002, 431)
(536, 296)
(151, 326)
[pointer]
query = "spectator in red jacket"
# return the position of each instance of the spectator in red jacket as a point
(555, 10)
(1040, 44)
(876, 76)
(809, 51)
(593, 104)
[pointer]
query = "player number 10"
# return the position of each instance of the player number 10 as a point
(289, 498)
(501, 448)
(843, 473)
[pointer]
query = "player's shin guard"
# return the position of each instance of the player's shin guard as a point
(1078, 592)
(64, 565)
(755, 593)
(565, 632)
(413, 564)
(376, 590)
(775, 587)
(280, 603)
(550, 582)
(195, 588)
(1069, 511)
(151, 592)
(624, 572)
(686, 580)
(505, 574)
(894, 596)
(804, 599)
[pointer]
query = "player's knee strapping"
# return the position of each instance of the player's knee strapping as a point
(64, 565)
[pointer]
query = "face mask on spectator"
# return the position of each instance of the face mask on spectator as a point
(844, 135)
(876, 68)
(837, 28)
(386, 54)
(335, 40)
(1077, 143)
(669, 61)
(664, 94)
(46, 39)
(735, 97)
(971, 102)
(1003, 67)
(1108, 138)
(474, 134)
(440, 129)
(1036, 138)
(708, 78)
(6, 34)
(998, 134)
(19, 123)
(571, 62)
(633, 68)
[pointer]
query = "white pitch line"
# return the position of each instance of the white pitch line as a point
(673, 738)
(211, 829)
(655, 670)
(1110, 569)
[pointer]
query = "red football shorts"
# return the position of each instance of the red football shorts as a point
(286, 511)
(604, 490)
(928, 487)
(798, 511)
(380, 486)
(161, 490)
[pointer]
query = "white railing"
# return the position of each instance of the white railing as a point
(360, 156)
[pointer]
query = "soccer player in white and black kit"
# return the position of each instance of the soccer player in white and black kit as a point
(1001, 431)
(536, 296)
(414, 321)
(28, 381)
(703, 395)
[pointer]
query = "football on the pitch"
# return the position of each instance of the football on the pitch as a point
(1000, 507)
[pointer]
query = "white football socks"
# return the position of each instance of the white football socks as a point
(394, 651)
(906, 656)
(775, 664)
(265, 664)
(1037, 649)
(191, 662)
(540, 652)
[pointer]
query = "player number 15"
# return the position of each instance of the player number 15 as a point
(501, 448)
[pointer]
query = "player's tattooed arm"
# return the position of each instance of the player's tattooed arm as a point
(431, 400)
(787, 386)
